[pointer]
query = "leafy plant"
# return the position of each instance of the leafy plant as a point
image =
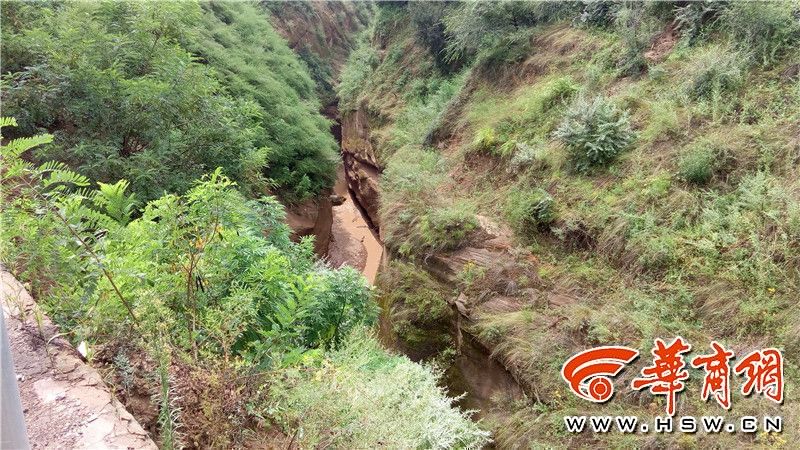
(360, 64)
(713, 72)
(699, 163)
(528, 211)
(599, 14)
(446, 227)
(164, 93)
(485, 139)
(112, 200)
(693, 18)
(766, 30)
(595, 131)
(352, 400)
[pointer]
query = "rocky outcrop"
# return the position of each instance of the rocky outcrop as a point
(312, 217)
(361, 165)
(503, 265)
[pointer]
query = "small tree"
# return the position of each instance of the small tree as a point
(595, 132)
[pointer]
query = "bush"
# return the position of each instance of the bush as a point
(715, 71)
(363, 397)
(698, 164)
(526, 155)
(693, 18)
(417, 306)
(767, 30)
(663, 122)
(426, 102)
(636, 25)
(600, 14)
(447, 227)
(528, 211)
(485, 139)
(164, 93)
(595, 132)
(495, 27)
(359, 67)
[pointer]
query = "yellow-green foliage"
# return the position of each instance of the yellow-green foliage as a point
(362, 397)
(530, 210)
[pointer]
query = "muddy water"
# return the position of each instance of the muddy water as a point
(488, 386)
(353, 243)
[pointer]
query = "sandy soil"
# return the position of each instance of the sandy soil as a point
(64, 400)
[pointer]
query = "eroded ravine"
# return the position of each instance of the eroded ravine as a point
(481, 383)
(352, 241)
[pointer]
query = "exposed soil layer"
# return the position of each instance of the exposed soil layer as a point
(64, 400)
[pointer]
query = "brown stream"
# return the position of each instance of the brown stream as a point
(352, 241)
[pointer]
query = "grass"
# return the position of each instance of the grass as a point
(530, 210)
(417, 306)
(692, 230)
(347, 402)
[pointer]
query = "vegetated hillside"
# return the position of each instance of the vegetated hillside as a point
(213, 327)
(322, 33)
(162, 93)
(586, 175)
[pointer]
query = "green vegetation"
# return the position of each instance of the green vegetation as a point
(354, 399)
(162, 94)
(530, 210)
(421, 222)
(619, 171)
(416, 307)
(252, 61)
(210, 280)
(700, 162)
(767, 30)
(595, 132)
(685, 116)
(360, 64)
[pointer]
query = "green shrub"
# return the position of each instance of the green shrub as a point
(636, 26)
(654, 253)
(446, 227)
(600, 14)
(363, 397)
(663, 122)
(416, 304)
(714, 71)
(485, 139)
(693, 18)
(356, 73)
(526, 155)
(595, 132)
(699, 163)
(766, 30)
(528, 211)
(426, 102)
(165, 92)
(557, 92)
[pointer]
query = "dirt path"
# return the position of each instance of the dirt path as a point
(65, 401)
(352, 242)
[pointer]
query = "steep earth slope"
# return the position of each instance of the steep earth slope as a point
(484, 205)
